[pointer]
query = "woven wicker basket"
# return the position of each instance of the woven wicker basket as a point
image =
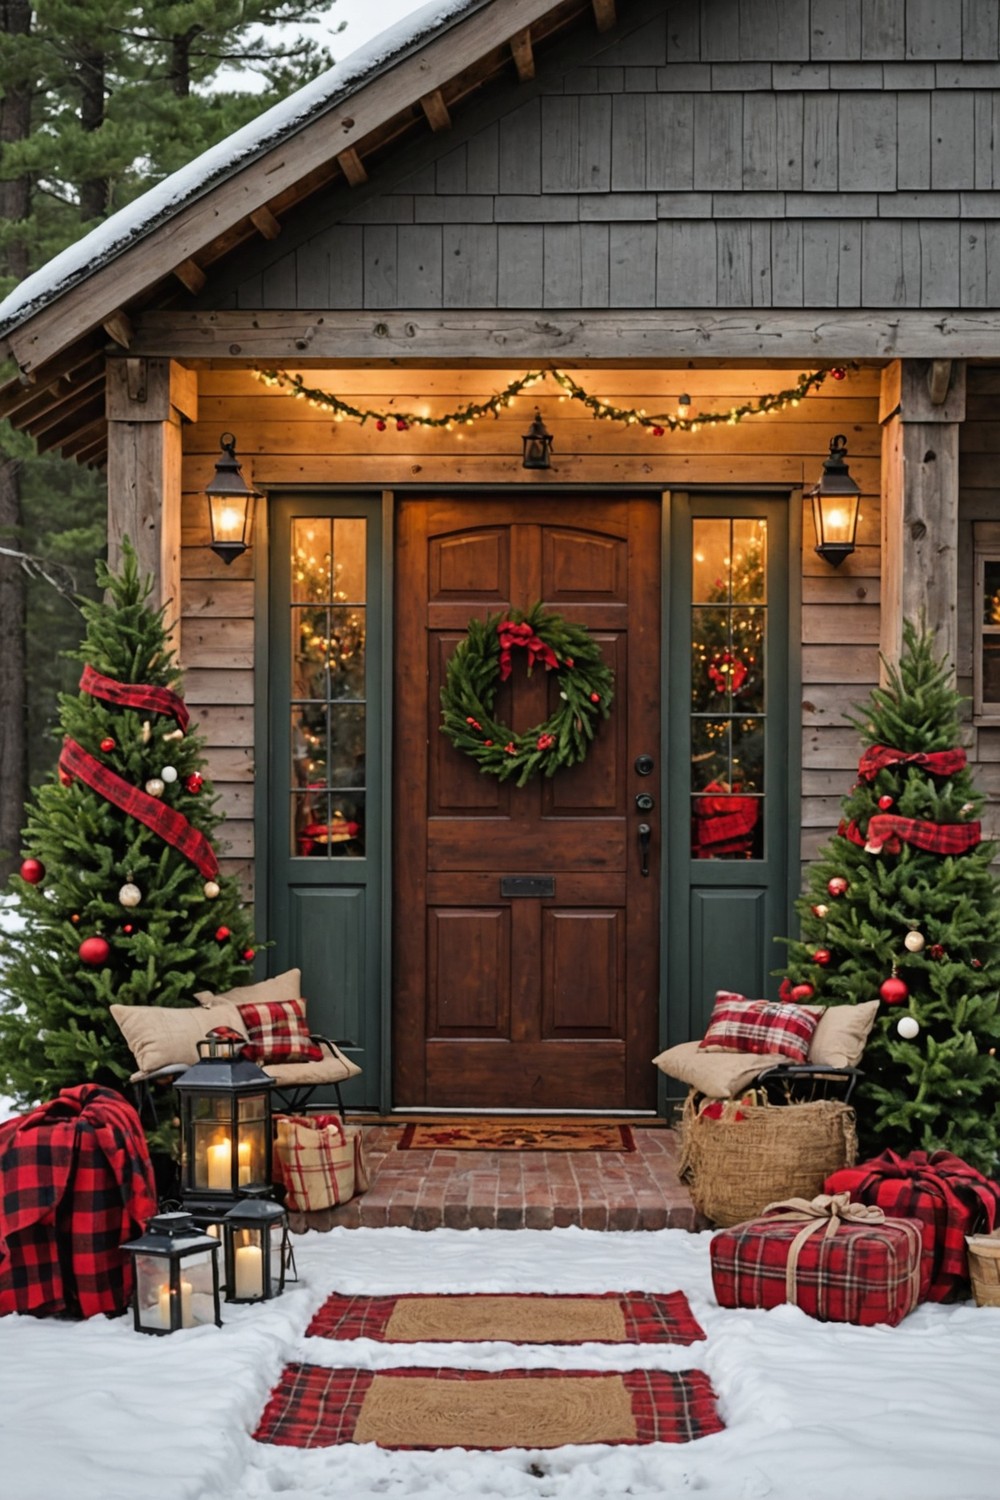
(735, 1167)
(984, 1267)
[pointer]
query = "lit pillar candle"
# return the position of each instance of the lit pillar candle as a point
(187, 1312)
(243, 1161)
(249, 1271)
(220, 1160)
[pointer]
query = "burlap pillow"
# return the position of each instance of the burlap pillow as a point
(287, 986)
(160, 1035)
(840, 1037)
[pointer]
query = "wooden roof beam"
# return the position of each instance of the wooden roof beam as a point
(352, 167)
(190, 275)
(265, 223)
(56, 413)
(83, 424)
(95, 451)
(604, 14)
(523, 55)
(436, 110)
(118, 328)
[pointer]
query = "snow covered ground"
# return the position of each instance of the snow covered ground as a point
(94, 1411)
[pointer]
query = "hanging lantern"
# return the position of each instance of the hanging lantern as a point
(835, 502)
(175, 1282)
(230, 504)
(225, 1109)
(256, 1249)
(537, 445)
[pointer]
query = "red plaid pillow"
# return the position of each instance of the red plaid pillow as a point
(759, 1026)
(278, 1033)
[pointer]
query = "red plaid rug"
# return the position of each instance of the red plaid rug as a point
(312, 1407)
(514, 1317)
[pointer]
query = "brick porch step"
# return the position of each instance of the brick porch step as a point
(516, 1189)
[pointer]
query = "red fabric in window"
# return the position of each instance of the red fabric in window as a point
(759, 1026)
(278, 1033)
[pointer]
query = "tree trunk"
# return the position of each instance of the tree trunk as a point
(94, 192)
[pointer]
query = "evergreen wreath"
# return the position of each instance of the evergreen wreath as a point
(484, 660)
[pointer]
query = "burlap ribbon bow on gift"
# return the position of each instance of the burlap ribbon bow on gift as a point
(826, 1213)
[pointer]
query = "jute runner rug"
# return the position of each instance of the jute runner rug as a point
(313, 1407)
(516, 1318)
(515, 1135)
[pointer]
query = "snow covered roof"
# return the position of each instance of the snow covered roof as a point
(138, 219)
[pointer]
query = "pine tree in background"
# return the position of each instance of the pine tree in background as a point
(902, 905)
(113, 912)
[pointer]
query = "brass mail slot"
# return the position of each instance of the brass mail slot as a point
(528, 885)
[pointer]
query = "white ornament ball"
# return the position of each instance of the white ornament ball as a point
(154, 786)
(129, 895)
(908, 1027)
(169, 774)
(914, 942)
(211, 889)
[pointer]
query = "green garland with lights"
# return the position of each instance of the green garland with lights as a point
(656, 423)
(483, 660)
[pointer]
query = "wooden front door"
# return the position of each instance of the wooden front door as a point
(507, 1000)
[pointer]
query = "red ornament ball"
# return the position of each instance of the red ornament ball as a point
(128, 929)
(820, 910)
(249, 955)
(838, 372)
(94, 951)
(893, 991)
(936, 950)
(380, 425)
(802, 992)
(221, 933)
(595, 697)
(194, 783)
(75, 918)
(107, 745)
(885, 802)
(33, 871)
(837, 886)
(822, 957)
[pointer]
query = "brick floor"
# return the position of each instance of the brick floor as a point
(516, 1189)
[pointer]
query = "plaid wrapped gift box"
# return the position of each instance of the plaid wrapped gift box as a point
(948, 1198)
(840, 1262)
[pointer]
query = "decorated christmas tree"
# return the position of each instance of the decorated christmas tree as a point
(120, 892)
(902, 906)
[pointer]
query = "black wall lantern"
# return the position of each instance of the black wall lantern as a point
(537, 445)
(175, 1275)
(835, 502)
(230, 504)
(225, 1107)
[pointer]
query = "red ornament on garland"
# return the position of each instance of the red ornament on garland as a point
(194, 783)
(380, 425)
(249, 955)
(107, 745)
(802, 992)
(838, 372)
(33, 871)
(885, 801)
(837, 886)
(94, 951)
(821, 957)
(401, 426)
(893, 991)
(221, 933)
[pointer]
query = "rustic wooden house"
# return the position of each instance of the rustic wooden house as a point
(702, 201)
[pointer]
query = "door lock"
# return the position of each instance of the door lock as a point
(644, 764)
(645, 801)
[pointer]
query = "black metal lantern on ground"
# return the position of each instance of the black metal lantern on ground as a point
(835, 501)
(256, 1250)
(175, 1276)
(225, 1108)
(230, 504)
(537, 445)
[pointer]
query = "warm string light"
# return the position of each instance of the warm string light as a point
(655, 423)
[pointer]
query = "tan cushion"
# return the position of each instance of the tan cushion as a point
(839, 1039)
(334, 1068)
(158, 1035)
(717, 1074)
(287, 986)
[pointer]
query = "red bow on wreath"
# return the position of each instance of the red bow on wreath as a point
(728, 672)
(510, 635)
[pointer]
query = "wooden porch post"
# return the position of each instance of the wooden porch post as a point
(147, 399)
(922, 405)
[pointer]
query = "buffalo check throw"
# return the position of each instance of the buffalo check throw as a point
(314, 1407)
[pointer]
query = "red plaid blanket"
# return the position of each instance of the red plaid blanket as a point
(75, 1183)
(948, 1197)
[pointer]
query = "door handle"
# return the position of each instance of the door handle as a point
(645, 834)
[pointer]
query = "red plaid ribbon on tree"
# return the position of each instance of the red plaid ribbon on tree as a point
(140, 695)
(887, 832)
(171, 826)
(75, 1183)
(510, 634)
(948, 1197)
(938, 762)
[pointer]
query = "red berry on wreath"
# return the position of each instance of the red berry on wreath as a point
(194, 783)
(545, 741)
(401, 425)
(510, 748)
(33, 871)
(94, 951)
(885, 802)
(837, 886)
(221, 933)
(802, 992)
(380, 425)
(107, 744)
(658, 431)
(249, 955)
(821, 957)
(893, 991)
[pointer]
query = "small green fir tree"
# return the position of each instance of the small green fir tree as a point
(95, 872)
(920, 919)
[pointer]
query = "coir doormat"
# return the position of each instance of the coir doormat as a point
(313, 1407)
(513, 1317)
(497, 1135)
